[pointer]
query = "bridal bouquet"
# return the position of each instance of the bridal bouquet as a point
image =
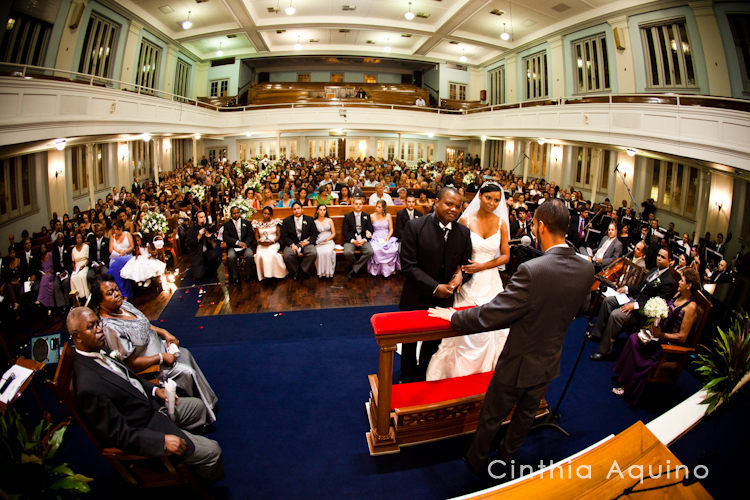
(153, 222)
(246, 211)
(198, 191)
(655, 309)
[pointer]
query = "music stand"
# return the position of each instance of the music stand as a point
(713, 255)
(592, 237)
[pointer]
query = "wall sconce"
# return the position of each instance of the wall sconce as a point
(483, 138)
(719, 205)
(58, 170)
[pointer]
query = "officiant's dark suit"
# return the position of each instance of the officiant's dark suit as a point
(538, 304)
(427, 260)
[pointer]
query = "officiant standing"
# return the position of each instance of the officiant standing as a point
(538, 304)
(433, 249)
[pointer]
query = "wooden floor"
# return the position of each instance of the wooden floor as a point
(272, 295)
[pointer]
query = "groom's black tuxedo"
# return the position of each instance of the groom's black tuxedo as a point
(427, 260)
(119, 414)
(538, 304)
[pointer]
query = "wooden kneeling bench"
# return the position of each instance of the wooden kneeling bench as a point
(420, 412)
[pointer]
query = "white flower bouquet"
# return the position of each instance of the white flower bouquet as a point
(246, 211)
(397, 168)
(469, 178)
(450, 170)
(655, 309)
(198, 191)
(153, 222)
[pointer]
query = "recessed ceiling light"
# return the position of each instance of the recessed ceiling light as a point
(290, 10)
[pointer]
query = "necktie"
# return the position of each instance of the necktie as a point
(446, 230)
(580, 227)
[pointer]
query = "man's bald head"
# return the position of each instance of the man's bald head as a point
(75, 317)
(85, 329)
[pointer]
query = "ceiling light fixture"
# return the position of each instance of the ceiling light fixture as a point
(463, 56)
(60, 144)
(290, 10)
(505, 35)
(297, 46)
(197, 137)
(631, 152)
(146, 137)
(387, 47)
(409, 15)
(219, 52)
(540, 141)
(187, 23)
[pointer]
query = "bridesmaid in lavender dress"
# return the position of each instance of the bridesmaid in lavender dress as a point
(385, 258)
(325, 263)
(46, 294)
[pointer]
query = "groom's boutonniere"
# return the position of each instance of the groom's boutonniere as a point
(657, 281)
(115, 354)
(304, 222)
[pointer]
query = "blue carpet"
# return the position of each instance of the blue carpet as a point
(292, 422)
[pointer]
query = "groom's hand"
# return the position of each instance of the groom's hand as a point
(441, 312)
(443, 291)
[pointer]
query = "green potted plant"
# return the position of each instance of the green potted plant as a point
(725, 364)
(27, 465)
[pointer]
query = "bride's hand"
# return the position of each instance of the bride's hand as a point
(441, 312)
(472, 267)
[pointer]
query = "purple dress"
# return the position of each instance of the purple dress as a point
(385, 258)
(638, 359)
(47, 283)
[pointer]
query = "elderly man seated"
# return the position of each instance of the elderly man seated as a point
(380, 194)
(128, 413)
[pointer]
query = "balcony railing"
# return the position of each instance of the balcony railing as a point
(38, 72)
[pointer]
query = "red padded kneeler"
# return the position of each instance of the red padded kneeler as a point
(422, 393)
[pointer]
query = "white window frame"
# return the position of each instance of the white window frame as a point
(591, 65)
(182, 78)
(496, 79)
(13, 184)
(219, 88)
(668, 181)
(147, 70)
(26, 41)
(668, 69)
(99, 46)
(535, 76)
(79, 179)
(457, 91)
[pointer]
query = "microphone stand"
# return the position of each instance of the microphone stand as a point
(520, 160)
(552, 419)
(630, 193)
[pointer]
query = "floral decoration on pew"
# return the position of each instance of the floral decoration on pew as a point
(153, 222)
(198, 191)
(469, 178)
(246, 211)
(450, 171)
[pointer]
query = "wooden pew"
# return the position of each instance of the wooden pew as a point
(419, 412)
(460, 105)
(326, 92)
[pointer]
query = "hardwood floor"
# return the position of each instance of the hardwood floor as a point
(310, 293)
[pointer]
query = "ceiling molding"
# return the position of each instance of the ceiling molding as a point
(245, 20)
(451, 22)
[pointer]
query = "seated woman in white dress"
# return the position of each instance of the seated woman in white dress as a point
(269, 263)
(143, 267)
(79, 276)
(487, 218)
(325, 262)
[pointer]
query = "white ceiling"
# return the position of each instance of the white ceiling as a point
(373, 24)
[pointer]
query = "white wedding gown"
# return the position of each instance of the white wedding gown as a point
(476, 353)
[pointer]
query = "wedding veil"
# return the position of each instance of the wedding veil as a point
(501, 211)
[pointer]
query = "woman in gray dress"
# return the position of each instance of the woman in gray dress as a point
(142, 345)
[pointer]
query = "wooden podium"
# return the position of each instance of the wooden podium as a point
(593, 475)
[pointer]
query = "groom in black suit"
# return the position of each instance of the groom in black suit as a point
(298, 236)
(240, 238)
(126, 412)
(538, 304)
(433, 249)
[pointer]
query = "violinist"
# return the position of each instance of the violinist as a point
(201, 244)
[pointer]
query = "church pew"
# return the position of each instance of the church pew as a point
(420, 412)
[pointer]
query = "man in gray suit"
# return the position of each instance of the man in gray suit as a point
(538, 304)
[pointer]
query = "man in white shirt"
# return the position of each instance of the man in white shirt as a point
(609, 249)
(380, 194)
(420, 101)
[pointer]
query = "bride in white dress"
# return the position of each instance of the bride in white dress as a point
(487, 218)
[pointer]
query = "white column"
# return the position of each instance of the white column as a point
(713, 49)
(702, 210)
(556, 68)
(90, 172)
(596, 167)
(56, 178)
(526, 145)
(482, 151)
(624, 56)
(278, 145)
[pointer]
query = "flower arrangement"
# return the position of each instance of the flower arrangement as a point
(469, 178)
(396, 168)
(450, 170)
(198, 191)
(655, 307)
(253, 184)
(414, 167)
(246, 211)
(153, 222)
